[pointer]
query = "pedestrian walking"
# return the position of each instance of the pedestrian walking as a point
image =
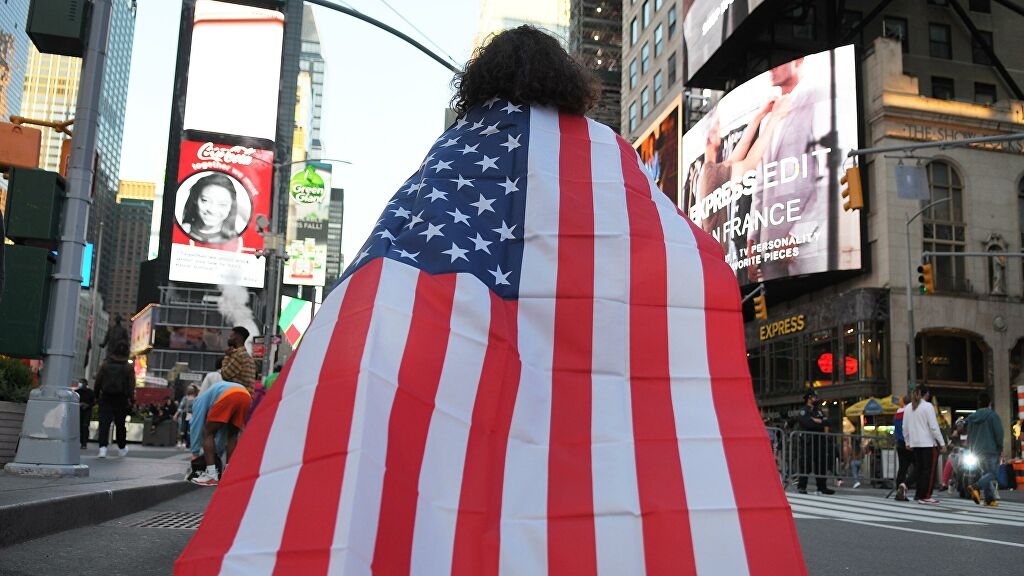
(218, 417)
(238, 365)
(921, 431)
(115, 390)
(814, 453)
(903, 454)
(86, 401)
(985, 433)
(184, 415)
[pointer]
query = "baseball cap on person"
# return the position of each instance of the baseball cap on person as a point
(811, 394)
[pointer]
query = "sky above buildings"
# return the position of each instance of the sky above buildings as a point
(384, 100)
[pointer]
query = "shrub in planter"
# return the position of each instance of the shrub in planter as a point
(15, 380)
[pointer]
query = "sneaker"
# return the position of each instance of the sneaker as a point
(103, 452)
(826, 491)
(122, 451)
(802, 491)
(991, 503)
(206, 479)
(975, 494)
(856, 484)
(928, 501)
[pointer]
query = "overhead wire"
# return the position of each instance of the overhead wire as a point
(421, 33)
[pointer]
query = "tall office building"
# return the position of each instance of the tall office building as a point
(311, 69)
(918, 74)
(131, 222)
(50, 93)
(498, 15)
(14, 44)
(595, 38)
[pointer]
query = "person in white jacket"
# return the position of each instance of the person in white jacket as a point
(921, 431)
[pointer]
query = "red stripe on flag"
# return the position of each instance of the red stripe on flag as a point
(309, 530)
(418, 378)
(572, 544)
(478, 529)
(759, 498)
(205, 552)
(668, 544)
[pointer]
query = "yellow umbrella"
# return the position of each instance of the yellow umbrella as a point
(873, 407)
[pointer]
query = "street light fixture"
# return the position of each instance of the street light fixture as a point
(911, 344)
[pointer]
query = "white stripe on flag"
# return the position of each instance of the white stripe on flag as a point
(253, 550)
(524, 508)
(618, 522)
(355, 532)
(717, 537)
(444, 455)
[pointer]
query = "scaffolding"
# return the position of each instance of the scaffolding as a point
(595, 38)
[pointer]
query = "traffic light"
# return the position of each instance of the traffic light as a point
(760, 307)
(924, 277)
(852, 193)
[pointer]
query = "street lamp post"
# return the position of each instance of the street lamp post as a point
(911, 345)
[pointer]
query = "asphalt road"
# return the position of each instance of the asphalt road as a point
(851, 533)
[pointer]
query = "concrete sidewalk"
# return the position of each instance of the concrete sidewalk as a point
(31, 507)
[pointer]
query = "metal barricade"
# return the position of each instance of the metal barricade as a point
(777, 438)
(843, 460)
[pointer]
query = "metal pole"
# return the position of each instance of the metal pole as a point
(911, 334)
(49, 443)
(941, 145)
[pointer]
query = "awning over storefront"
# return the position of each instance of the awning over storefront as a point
(874, 406)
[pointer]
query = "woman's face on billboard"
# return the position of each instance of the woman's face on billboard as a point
(214, 205)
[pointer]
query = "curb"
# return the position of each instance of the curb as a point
(27, 521)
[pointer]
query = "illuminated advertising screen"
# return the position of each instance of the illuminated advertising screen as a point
(309, 205)
(221, 189)
(761, 170)
(707, 24)
(659, 151)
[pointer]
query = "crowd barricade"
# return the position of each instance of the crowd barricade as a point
(845, 460)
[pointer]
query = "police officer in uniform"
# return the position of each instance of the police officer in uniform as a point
(814, 456)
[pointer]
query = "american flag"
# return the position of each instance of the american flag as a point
(535, 365)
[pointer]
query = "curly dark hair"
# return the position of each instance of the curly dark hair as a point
(527, 66)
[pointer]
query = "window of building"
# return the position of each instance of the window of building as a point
(646, 13)
(984, 93)
(671, 21)
(659, 37)
(632, 74)
(895, 27)
(659, 92)
(645, 102)
(634, 31)
(645, 57)
(632, 116)
(978, 54)
(950, 360)
(943, 88)
(672, 69)
(849, 20)
(984, 6)
(943, 227)
(657, 5)
(940, 44)
(802, 17)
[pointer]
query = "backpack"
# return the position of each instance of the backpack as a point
(113, 378)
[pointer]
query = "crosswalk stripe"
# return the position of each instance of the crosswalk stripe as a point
(869, 509)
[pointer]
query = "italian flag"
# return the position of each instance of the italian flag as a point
(296, 314)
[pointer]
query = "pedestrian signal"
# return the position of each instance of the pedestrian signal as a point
(852, 194)
(925, 278)
(760, 308)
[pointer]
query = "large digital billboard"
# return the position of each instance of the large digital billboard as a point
(659, 151)
(707, 24)
(761, 170)
(309, 207)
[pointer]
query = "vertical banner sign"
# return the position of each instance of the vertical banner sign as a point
(221, 188)
(309, 203)
(758, 169)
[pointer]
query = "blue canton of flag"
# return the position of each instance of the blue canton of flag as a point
(463, 210)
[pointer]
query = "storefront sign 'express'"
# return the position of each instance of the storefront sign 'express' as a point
(790, 325)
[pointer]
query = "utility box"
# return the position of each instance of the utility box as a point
(59, 26)
(25, 300)
(33, 211)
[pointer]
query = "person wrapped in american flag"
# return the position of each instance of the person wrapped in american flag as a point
(534, 365)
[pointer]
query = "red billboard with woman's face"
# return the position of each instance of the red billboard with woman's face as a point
(221, 189)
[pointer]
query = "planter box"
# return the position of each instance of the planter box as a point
(11, 416)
